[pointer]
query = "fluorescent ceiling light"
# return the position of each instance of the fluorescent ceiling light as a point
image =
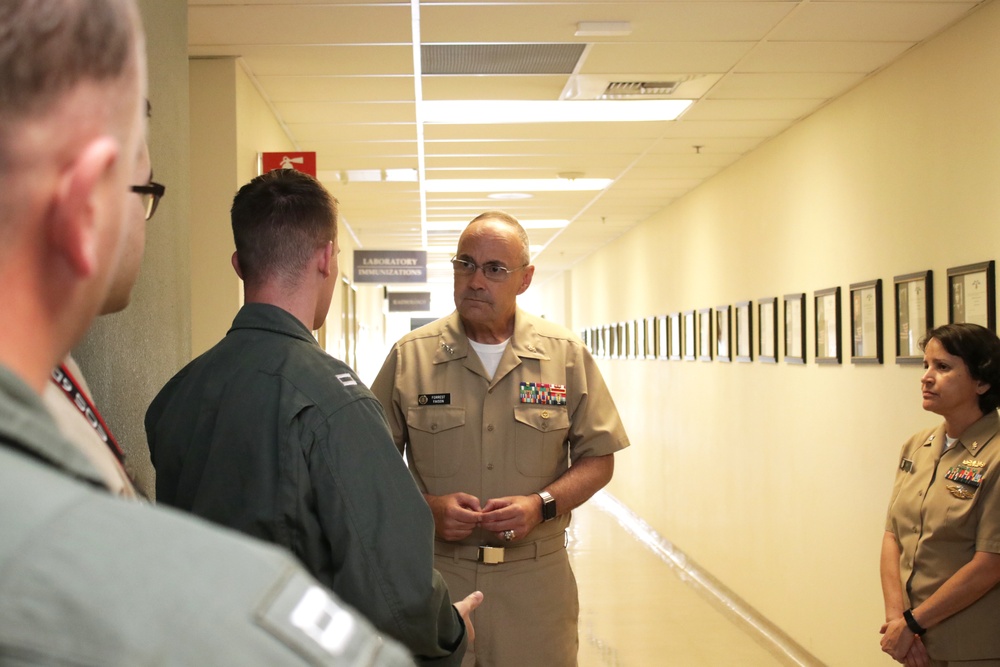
(450, 251)
(603, 29)
(509, 185)
(459, 225)
(497, 112)
(510, 196)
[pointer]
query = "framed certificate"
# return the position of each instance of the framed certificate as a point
(767, 329)
(652, 329)
(827, 303)
(971, 294)
(914, 314)
(705, 341)
(662, 333)
(722, 337)
(866, 322)
(675, 338)
(744, 329)
(795, 328)
(690, 341)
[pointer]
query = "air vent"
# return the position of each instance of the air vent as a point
(458, 59)
(622, 90)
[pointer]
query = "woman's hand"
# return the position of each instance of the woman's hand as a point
(897, 639)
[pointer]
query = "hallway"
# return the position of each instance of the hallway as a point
(638, 609)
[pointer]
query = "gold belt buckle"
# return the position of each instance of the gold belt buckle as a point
(491, 555)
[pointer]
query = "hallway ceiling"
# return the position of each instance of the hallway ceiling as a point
(339, 75)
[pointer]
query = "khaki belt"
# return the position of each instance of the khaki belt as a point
(497, 555)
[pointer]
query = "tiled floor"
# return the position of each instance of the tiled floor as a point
(636, 612)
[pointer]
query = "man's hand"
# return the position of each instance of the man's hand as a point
(465, 608)
(518, 513)
(456, 515)
(897, 640)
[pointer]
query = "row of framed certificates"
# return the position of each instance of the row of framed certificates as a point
(727, 333)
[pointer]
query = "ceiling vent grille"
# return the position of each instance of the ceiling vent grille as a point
(622, 90)
(467, 59)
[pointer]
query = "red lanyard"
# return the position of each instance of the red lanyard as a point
(65, 381)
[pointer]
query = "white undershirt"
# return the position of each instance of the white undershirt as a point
(489, 354)
(949, 442)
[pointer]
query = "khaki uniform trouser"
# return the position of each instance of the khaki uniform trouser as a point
(529, 613)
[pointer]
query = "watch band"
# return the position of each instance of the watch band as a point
(912, 624)
(548, 506)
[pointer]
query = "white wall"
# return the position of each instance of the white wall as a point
(775, 477)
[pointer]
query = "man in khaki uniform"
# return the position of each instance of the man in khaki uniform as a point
(507, 426)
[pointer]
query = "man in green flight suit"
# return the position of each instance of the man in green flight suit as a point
(87, 578)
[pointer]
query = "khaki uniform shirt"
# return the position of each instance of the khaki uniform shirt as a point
(514, 434)
(943, 509)
(78, 430)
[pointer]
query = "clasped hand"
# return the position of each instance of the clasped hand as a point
(456, 515)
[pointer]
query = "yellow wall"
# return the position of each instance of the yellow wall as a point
(775, 477)
(126, 357)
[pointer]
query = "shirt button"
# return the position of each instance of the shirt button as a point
(489, 466)
(434, 427)
(920, 493)
(545, 414)
(490, 427)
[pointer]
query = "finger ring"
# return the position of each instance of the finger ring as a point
(508, 535)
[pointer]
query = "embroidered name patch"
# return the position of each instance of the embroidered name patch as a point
(542, 393)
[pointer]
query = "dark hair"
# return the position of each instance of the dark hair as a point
(279, 219)
(48, 47)
(979, 348)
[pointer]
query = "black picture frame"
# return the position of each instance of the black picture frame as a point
(914, 295)
(662, 337)
(723, 335)
(866, 322)
(972, 294)
(675, 337)
(794, 306)
(705, 340)
(744, 331)
(767, 329)
(689, 337)
(826, 306)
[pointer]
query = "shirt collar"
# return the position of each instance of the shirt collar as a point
(267, 317)
(453, 344)
(27, 426)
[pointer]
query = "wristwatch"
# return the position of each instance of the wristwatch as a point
(548, 506)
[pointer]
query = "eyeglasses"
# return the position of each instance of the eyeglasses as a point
(493, 271)
(150, 193)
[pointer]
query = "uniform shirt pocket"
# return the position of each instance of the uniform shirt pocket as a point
(436, 439)
(539, 440)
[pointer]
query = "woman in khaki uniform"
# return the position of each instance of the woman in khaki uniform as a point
(941, 550)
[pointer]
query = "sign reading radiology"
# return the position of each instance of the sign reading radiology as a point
(390, 266)
(409, 302)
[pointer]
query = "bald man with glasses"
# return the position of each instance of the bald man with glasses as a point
(507, 426)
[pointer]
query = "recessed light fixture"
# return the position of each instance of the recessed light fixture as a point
(500, 112)
(486, 185)
(603, 29)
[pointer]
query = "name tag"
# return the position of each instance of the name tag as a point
(434, 399)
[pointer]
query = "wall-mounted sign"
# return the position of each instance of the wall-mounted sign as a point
(304, 162)
(409, 302)
(390, 266)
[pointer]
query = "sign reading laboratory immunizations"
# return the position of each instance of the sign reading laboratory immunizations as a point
(390, 266)
(304, 162)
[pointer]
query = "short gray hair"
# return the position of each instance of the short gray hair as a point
(512, 222)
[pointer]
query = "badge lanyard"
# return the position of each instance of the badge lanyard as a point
(65, 381)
